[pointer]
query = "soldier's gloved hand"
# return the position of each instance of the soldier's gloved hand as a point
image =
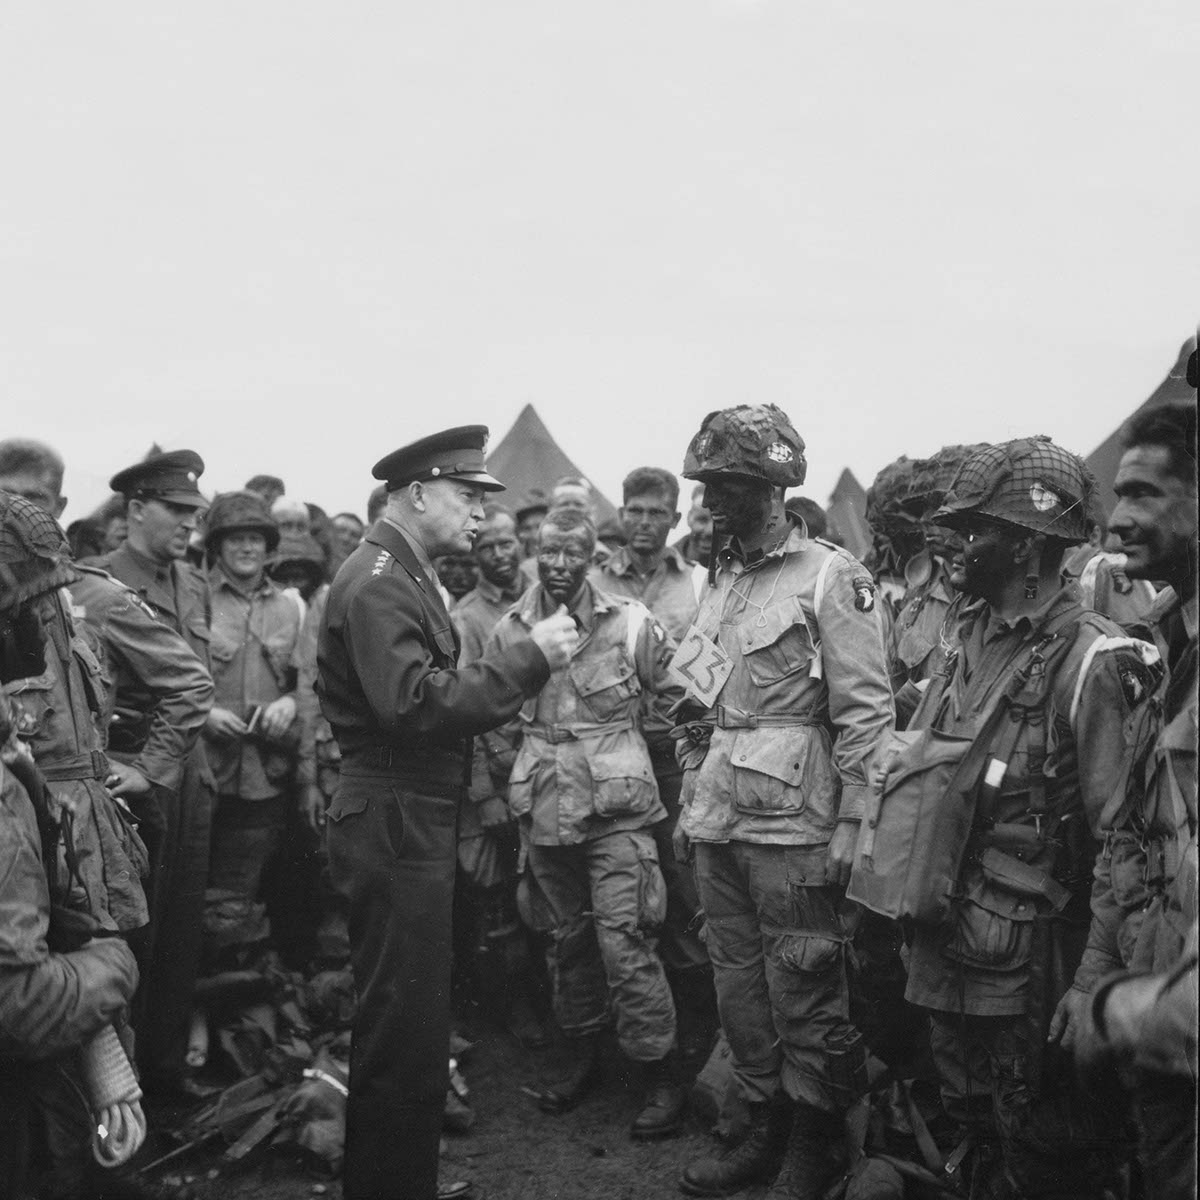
(556, 637)
(691, 743)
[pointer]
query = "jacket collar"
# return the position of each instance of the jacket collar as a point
(621, 564)
(794, 540)
(218, 580)
(535, 604)
(489, 592)
(392, 539)
(1051, 608)
(1167, 602)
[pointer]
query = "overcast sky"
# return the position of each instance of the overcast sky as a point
(294, 236)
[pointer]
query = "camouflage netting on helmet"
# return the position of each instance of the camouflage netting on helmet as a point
(1030, 483)
(931, 477)
(239, 512)
(755, 441)
(34, 555)
(886, 512)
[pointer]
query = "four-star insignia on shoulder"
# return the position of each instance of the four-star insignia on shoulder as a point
(381, 562)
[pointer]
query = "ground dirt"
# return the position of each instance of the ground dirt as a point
(514, 1151)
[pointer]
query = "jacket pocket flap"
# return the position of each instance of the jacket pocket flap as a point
(198, 628)
(593, 677)
(781, 753)
(622, 767)
(999, 901)
(775, 623)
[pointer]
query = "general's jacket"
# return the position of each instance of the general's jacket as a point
(387, 659)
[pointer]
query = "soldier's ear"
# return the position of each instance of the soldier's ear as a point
(416, 496)
(60, 504)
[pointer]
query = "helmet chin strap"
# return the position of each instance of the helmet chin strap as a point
(1034, 570)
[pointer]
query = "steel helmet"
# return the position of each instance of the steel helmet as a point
(754, 441)
(1030, 483)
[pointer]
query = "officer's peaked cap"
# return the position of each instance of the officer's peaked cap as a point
(452, 454)
(171, 477)
(756, 441)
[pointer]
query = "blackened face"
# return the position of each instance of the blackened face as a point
(563, 561)
(939, 540)
(985, 561)
(458, 573)
(498, 551)
(739, 506)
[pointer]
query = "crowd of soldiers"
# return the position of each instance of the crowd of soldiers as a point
(931, 817)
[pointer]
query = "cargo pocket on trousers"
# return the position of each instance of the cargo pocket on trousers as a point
(810, 953)
(652, 892)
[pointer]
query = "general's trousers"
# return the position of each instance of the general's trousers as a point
(392, 859)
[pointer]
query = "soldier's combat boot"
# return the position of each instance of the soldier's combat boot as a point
(814, 1158)
(662, 1112)
(581, 1078)
(754, 1159)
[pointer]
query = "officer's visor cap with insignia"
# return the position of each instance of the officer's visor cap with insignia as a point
(754, 441)
(172, 478)
(452, 454)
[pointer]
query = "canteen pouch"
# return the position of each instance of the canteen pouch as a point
(914, 833)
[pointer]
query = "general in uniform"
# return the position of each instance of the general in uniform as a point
(404, 717)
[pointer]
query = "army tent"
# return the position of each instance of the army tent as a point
(1104, 460)
(530, 462)
(847, 512)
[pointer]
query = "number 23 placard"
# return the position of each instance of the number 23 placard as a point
(701, 666)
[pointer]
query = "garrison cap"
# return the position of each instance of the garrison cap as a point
(169, 477)
(452, 454)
